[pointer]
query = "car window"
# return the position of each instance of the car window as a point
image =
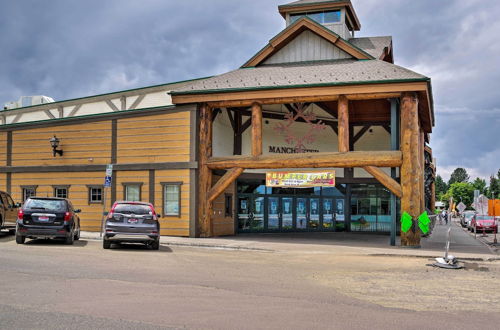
(46, 204)
(10, 200)
(132, 209)
(4, 200)
(484, 217)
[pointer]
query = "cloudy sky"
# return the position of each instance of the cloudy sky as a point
(72, 48)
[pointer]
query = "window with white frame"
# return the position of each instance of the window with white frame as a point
(172, 199)
(28, 191)
(96, 194)
(132, 191)
(61, 191)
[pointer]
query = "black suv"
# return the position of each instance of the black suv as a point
(48, 217)
(8, 212)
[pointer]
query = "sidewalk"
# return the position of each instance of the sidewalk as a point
(462, 245)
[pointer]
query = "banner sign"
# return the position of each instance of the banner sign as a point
(300, 180)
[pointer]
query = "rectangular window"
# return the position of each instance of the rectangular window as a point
(96, 194)
(325, 17)
(172, 199)
(28, 191)
(331, 17)
(132, 192)
(228, 205)
(61, 191)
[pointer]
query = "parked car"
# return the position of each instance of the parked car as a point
(466, 218)
(483, 223)
(8, 212)
(48, 217)
(132, 222)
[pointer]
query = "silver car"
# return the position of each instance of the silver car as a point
(132, 222)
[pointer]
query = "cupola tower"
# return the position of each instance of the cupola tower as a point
(336, 15)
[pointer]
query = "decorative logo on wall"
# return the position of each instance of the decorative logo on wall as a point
(298, 114)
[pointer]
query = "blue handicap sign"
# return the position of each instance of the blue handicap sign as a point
(107, 181)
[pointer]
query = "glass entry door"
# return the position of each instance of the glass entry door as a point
(301, 209)
(289, 213)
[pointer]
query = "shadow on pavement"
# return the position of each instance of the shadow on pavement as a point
(58, 242)
(6, 236)
(374, 240)
(138, 247)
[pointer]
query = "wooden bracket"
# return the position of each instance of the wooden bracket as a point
(385, 179)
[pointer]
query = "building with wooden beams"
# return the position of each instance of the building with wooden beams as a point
(315, 102)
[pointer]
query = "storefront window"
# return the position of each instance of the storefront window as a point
(370, 208)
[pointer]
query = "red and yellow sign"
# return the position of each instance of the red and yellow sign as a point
(300, 180)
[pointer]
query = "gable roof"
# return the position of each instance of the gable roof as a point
(293, 30)
(314, 5)
(377, 47)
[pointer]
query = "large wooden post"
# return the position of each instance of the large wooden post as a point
(205, 174)
(422, 169)
(343, 117)
(256, 129)
(411, 174)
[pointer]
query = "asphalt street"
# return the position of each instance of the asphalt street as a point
(48, 285)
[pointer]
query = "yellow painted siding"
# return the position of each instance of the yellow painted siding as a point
(78, 192)
(159, 138)
(3, 148)
(173, 226)
(82, 144)
(132, 176)
(3, 184)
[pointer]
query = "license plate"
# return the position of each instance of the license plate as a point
(43, 218)
(132, 221)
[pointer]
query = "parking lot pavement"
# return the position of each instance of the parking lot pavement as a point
(49, 285)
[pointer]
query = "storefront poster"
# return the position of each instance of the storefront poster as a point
(300, 180)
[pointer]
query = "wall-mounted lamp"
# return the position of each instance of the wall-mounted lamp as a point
(54, 142)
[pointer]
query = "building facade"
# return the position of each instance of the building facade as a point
(315, 98)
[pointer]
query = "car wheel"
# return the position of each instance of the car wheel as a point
(155, 245)
(70, 239)
(77, 235)
(20, 239)
(106, 244)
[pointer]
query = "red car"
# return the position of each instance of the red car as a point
(483, 223)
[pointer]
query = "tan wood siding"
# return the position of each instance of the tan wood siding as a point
(77, 193)
(223, 226)
(3, 182)
(159, 138)
(172, 225)
(82, 144)
(3, 148)
(141, 177)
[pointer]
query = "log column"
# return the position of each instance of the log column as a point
(205, 176)
(411, 173)
(422, 169)
(256, 129)
(343, 118)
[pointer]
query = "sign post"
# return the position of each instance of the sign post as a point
(108, 179)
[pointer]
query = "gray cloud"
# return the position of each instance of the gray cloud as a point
(71, 48)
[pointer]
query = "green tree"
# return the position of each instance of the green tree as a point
(480, 184)
(462, 192)
(458, 175)
(441, 187)
(494, 188)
